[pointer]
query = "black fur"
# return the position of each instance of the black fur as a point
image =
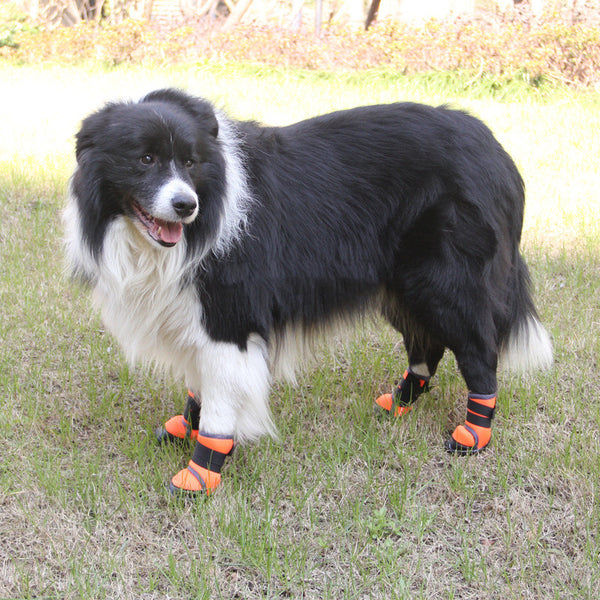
(414, 207)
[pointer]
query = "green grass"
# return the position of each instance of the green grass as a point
(345, 504)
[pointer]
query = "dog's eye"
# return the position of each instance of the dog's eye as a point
(189, 163)
(147, 159)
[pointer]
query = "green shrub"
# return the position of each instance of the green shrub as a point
(12, 23)
(532, 52)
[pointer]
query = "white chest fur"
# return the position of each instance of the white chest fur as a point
(144, 300)
(152, 309)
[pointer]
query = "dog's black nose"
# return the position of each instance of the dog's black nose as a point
(184, 206)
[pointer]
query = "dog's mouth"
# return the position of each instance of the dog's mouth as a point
(166, 233)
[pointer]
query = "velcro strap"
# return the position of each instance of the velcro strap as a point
(480, 409)
(479, 414)
(410, 389)
(191, 412)
(478, 420)
(208, 458)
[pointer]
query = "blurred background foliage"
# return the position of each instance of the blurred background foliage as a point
(532, 41)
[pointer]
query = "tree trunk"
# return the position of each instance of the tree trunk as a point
(236, 16)
(372, 14)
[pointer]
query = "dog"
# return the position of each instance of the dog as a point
(216, 248)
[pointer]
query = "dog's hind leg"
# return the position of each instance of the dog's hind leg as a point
(477, 363)
(424, 354)
(460, 319)
(467, 327)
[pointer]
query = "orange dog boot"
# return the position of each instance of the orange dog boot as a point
(203, 473)
(475, 434)
(404, 396)
(181, 427)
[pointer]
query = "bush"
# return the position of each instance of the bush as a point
(12, 23)
(549, 50)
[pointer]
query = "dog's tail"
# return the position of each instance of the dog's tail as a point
(527, 346)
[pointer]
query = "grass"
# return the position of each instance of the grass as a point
(345, 504)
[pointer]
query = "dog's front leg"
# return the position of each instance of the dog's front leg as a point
(233, 384)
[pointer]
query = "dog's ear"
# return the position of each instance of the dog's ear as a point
(91, 128)
(201, 110)
(96, 206)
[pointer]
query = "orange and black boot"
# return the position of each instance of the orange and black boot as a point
(203, 473)
(475, 434)
(405, 395)
(182, 427)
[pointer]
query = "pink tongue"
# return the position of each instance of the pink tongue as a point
(169, 233)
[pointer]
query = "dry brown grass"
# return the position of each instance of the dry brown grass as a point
(346, 505)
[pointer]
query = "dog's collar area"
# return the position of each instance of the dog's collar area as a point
(166, 233)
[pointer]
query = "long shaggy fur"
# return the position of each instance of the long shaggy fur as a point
(214, 248)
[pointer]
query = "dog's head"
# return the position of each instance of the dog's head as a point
(152, 161)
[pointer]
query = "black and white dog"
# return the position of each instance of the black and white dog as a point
(215, 248)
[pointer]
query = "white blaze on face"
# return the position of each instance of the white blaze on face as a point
(174, 204)
(173, 190)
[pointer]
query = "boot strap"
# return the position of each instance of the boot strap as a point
(209, 458)
(410, 389)
(191, 411)
(479, 414)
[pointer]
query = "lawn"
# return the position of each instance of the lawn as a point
(345, 504)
